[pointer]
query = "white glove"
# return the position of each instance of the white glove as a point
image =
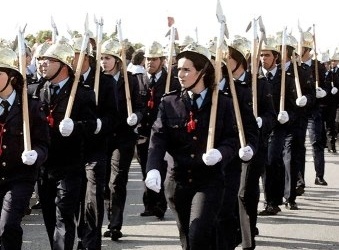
(153, 180)
(259, 122)
(29, 157)
(212, 157)
(320, 93)
(66, 126)
(246, 153)
(301, 101)
(334, 90)
(132, 119)
(283, 117)
(99, 124)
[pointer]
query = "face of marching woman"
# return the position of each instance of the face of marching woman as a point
(4, 78)
(110, 64)
(188, 74)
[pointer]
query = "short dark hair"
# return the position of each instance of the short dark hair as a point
(138, 57)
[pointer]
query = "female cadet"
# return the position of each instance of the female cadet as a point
(181, 129)
(19, 167)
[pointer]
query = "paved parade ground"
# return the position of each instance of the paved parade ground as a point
(314, 226)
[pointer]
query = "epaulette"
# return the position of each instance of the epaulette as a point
(171, 93)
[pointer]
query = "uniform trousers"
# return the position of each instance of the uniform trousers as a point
(196, 208)
(60, 198)
(275, 170)
(121, 152)
(294, 155)
(15, 199)
(227, 226)
(317, 137)
(94, 208)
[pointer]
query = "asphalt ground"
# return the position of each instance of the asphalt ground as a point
(314, 226)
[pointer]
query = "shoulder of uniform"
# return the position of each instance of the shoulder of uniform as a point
(173, 92)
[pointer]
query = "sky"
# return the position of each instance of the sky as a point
(145, 21)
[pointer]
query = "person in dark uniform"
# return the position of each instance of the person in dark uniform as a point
(181, 129)
(331, 104)
(122, 141)
(155, 85)
(315, 127)
(286, 149)
(265, 121)
(33, 88)
(92, 207)
(60, 185)
(332, 126)
(19, 165)
(231, 222)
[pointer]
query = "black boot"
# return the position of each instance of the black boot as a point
(331, 147)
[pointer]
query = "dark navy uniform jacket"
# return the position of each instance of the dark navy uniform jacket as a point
(12, 141)
(170, 133)
(66, 153)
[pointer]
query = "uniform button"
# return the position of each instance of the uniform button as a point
(195, 138)
(21, 133)
(3, 178)
(3, 164)
(189, 171)
(5, 130)
(190, 180)
(195, 120)
(4, 146)
(175, 126)
(192, 155)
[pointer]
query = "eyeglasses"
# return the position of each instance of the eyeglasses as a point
(48, 61)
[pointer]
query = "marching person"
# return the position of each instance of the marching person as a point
(315, 126)
(20, 166)
(332, 129)
(122, 141)
(92, 207)
(181, 129)
(286, 142)
(60, 185)
(265, 121)
(230, 219)
(155, 79)
(32, 89)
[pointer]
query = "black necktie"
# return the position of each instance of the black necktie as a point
(195, 104)
(269, 75)
(82, 79)
(116, 93)
(152, 82)
(5, 105)
(54, 91)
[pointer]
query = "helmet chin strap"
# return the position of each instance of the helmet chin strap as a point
(8, 82)
(199, 77)
(57, 73)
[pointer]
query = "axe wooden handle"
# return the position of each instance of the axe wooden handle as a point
(75, 85)
(283, 78)
(25, 112)
(296, 75)
(127, 90)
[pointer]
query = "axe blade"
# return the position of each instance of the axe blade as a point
(262, 29)
(54, 26)
(220, 13)
(249, 26)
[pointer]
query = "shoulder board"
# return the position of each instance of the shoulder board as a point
(171, 93)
